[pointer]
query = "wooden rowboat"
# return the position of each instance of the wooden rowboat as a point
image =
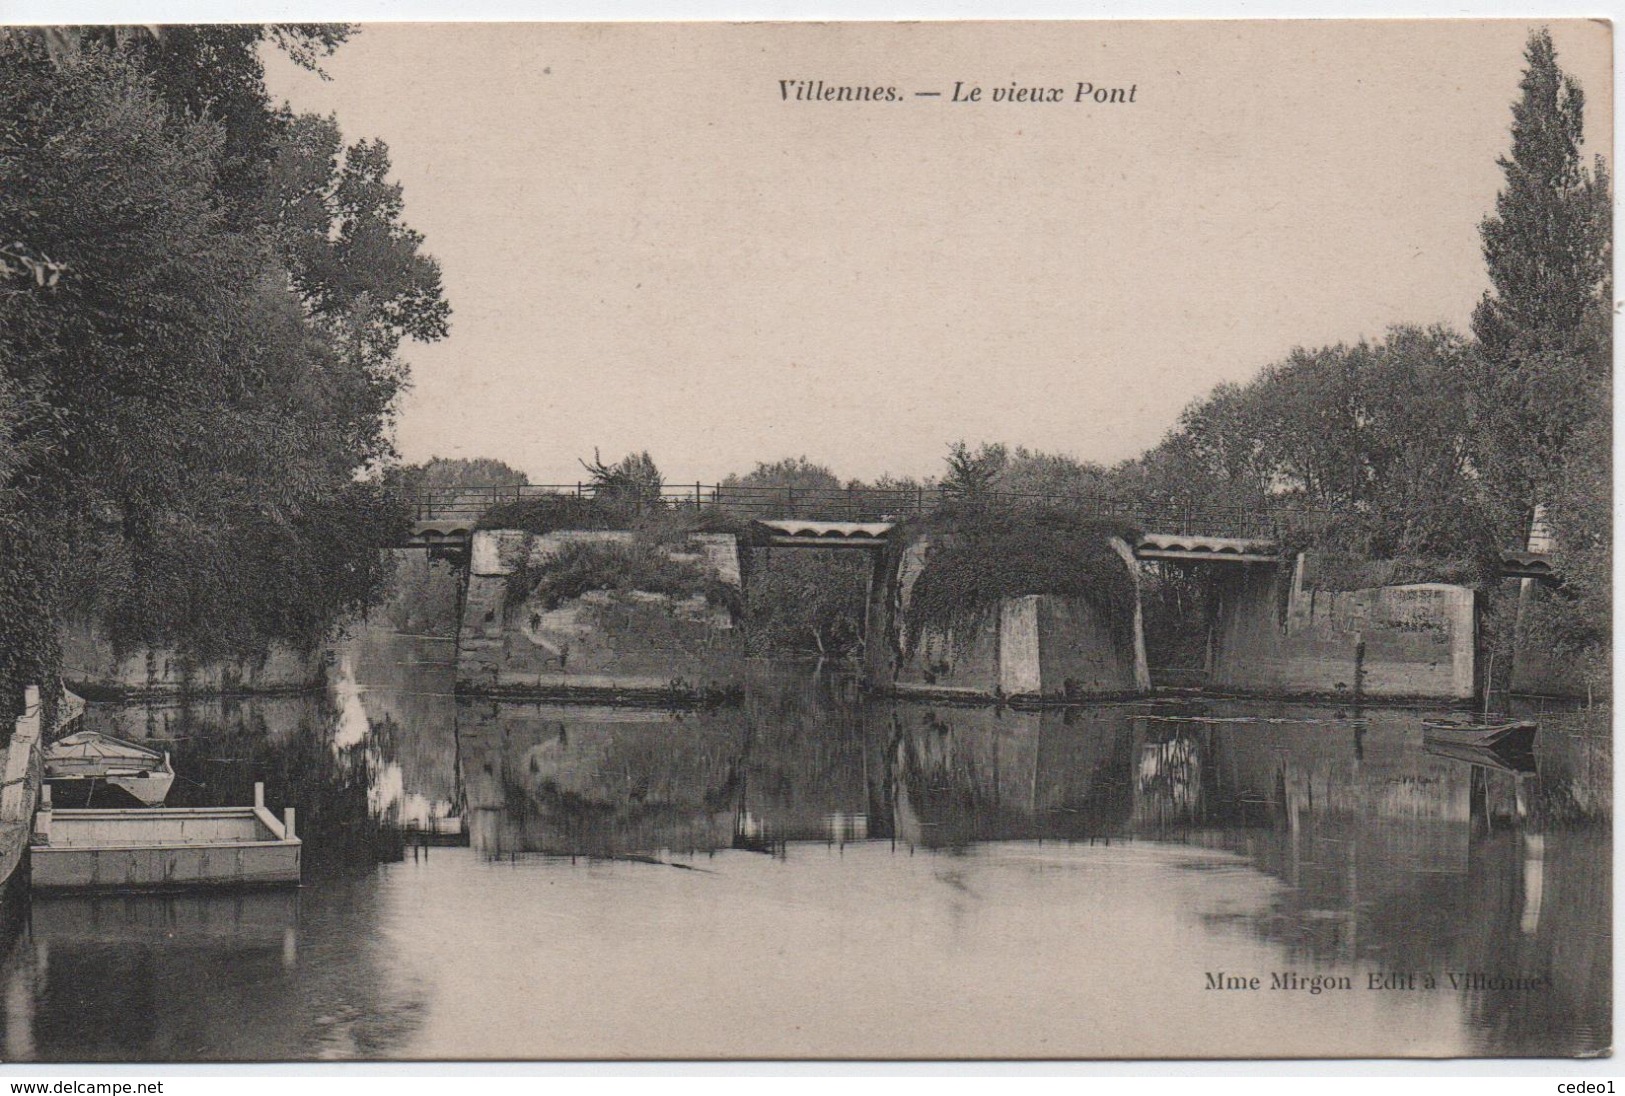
(82, 763)
(1513, 760)
(1505, 736)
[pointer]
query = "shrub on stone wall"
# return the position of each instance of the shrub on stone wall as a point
(640, 565)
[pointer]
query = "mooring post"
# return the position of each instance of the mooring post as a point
(42, 819)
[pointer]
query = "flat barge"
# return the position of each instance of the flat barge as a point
(163, 848)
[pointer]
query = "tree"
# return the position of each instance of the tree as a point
(1541, 412)
(357, 266)
(801, 602)
(1031, 472)
(971, 476)
(1418, 485)
(205, 72)
(634, 480)
(812, 490)
(1544, 326)
(1547, 244)
(183, 438)
(454, 473)
(1372, 431)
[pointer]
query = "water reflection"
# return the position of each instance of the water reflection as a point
(590, 781)
(1078, 859)
(204, 978)
(398, 696)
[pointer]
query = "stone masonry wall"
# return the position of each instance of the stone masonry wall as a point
(1412, 641)
(602, 642)
(91, 666)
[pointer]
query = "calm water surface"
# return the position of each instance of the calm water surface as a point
(810, 875)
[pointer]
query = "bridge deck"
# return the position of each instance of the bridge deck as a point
(454, 531)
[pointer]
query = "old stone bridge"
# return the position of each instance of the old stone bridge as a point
(1269, 632)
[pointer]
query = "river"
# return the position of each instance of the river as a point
(812, 875)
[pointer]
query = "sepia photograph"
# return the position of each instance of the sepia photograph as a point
(806, 541)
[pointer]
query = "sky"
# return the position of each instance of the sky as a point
(648, 246)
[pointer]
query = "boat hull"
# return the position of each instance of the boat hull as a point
(1518, 762)
(165, 867)
(80, 765)
(1514, 736)
(84, 791)
(163, 849)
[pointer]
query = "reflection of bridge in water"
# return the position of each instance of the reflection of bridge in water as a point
(579, 779)
(1359, 849)
(1385, 856)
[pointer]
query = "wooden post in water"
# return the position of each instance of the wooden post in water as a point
(43, 815)
(42, 819)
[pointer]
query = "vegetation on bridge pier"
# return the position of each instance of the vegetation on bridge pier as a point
(983, 555)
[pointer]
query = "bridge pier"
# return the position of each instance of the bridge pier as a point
(880, 638)
(1273, 635)
(611, 645)
(1036, 649)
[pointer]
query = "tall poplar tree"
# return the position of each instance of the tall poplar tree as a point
(1542, 423)
(1543, 328)
(1546, 245)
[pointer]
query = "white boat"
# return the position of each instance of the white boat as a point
(163, 848)
(82, 763)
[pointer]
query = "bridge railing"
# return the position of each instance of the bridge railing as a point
(881, 504)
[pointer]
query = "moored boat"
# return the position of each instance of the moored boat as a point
(1507, 759)
(82, 763)
(1505, 735)
(163, 848)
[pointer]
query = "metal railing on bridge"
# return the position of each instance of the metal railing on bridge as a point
(470, 504)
